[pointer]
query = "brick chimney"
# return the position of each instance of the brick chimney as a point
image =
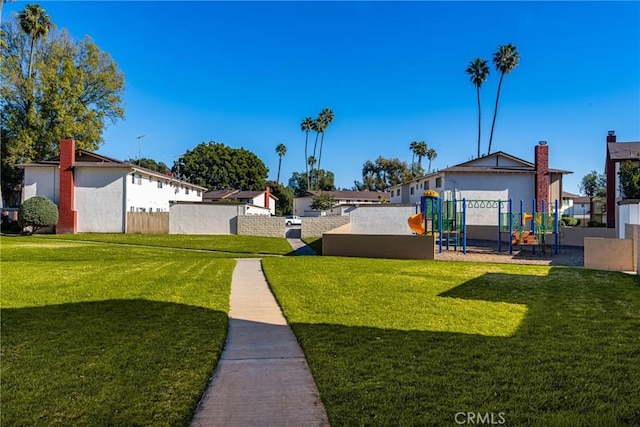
(610, 171)
(541, 191)
(267, 197)
(67, 215)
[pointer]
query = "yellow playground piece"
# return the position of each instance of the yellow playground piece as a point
(416, 223)
(526, 217)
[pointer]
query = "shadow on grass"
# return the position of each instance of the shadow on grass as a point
(574, 359)
(115, 362)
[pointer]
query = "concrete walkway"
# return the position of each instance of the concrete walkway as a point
(262, 378)
(300, 247)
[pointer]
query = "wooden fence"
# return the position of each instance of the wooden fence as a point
(147, 222)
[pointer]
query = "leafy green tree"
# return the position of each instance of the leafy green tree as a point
(325, 181)
(285, 195)
(478, 72)
(431, 155)
(36, 213)
(630, 179)
(281, 150)
(74, 89)
(218, 167)
(505, 60)
(322, 202)
(150, 164)
(593, 185)
(383, 173)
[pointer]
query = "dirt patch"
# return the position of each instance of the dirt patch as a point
(481, 251)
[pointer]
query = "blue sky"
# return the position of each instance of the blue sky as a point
(247, 73)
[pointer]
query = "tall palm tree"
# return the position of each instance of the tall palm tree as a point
(478, 72)
(431, 155)
(421, 151)
(306, 126)
(319, 126)
(281, 150)
(35, 22)
(505, 60)
(414, 148)
(311, 161)
(327, 116)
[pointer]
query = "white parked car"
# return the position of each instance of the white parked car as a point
(293, 220)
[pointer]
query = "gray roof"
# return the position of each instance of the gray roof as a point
(352, 195)
(619, 151)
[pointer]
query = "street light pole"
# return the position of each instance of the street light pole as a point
(139, 137)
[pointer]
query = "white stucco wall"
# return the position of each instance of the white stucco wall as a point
(98, 200)
(204, 218)
(41, 181)
(383, 219)
(629, 213)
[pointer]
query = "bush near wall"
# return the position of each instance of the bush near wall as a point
(36, 213)
(567, 221)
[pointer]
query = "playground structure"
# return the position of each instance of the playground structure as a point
(446, 221)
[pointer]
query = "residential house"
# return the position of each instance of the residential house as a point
(94, 193)
(302, 205)
(568, 203)
(617, 152)
(498, 176)
(258, 202)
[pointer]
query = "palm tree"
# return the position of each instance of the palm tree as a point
(35, 22)
(311, 161)
(306, 126)
(431, 154)
(478, 73)
(327, 116)
(319, 126)
(281, 150)
(421, 151)
(505, 59)
(414, 148)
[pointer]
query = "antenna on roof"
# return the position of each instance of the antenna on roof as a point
(139, 137)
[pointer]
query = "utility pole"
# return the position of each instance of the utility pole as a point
(139, 137)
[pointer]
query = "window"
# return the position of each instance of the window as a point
(186, 190)
(136, 179)
(426, 185)
(159, 184)
(438, 182)
(398, 192)
(158, 210)
(132, 209)
(198, 193)
(412, 191)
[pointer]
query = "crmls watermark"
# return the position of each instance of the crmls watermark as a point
(479, 418)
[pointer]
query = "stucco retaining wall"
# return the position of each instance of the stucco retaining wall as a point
(609, 254)
(382, 219)
(203, 218)
(378, 246)
(316, 227)
(261, 225)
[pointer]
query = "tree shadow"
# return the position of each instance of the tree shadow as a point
(114, 362)
(573, 360)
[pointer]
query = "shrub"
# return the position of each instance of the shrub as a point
(36, 213)
(594, 223)
(567, 221)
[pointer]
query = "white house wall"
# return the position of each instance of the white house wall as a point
(41, 181)
(496, 161)
(145, 195)
(98, 200)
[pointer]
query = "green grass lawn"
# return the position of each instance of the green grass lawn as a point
(413, 343)
(96, 334)
(237, 245)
